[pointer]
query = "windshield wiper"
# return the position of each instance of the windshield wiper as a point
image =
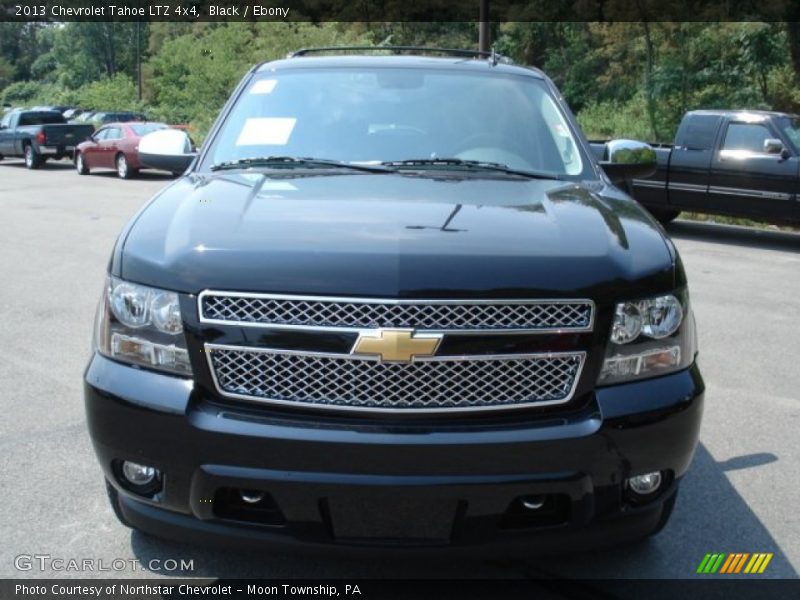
(477, 165)
(300, 162)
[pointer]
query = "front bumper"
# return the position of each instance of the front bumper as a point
(357, 483)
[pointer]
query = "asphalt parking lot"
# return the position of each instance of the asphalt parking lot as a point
(56, 234)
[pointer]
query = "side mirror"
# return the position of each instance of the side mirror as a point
(628, 159)
(167, 150)
(773, 146)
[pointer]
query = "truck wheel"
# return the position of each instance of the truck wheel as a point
(664, 216)
(33, 159)
(80, 166)
(124, 171)
(113, 499)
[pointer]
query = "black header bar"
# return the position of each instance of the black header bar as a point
(395, 10)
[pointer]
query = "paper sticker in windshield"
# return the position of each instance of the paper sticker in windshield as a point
(263, 86)
(278, 186)
(269, 131)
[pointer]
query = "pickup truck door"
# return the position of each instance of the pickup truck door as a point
(690, 161)
(748, 181)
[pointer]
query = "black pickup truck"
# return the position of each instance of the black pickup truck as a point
(372, 313)
(38, 135)
(728, 162)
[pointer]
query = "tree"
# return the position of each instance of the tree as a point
(7, 72)
(19, 46)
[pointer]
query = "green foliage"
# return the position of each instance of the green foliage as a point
(31, 93)
(88, 51)
(7, 71)
(784, 93)
(118, 93)
(407, 33)
(613, 119)
(19, 46)
(21, 92)
(110, 93)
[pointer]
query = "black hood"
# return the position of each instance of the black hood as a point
(395, 235)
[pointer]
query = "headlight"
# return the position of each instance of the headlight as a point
(142, 326)
(649, 337)
(654, 318)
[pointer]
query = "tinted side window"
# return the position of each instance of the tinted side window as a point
(40, 118)
(746, 136)
(99, 136)
(697, 132)
(114, 133)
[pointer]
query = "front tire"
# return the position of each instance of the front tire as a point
(113, 499)
(33, 160)
(80, 164)
(666, 513)
(124, 171)
(664, 216)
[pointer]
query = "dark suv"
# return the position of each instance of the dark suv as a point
(394, 300)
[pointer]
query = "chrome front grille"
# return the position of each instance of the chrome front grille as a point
(349, 314)
(347, 382)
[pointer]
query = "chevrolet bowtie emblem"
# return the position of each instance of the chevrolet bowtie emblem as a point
(396, 345)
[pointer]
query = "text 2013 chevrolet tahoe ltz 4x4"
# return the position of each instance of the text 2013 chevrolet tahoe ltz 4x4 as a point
(395, 301)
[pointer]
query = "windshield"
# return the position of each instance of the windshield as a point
(141, 129)
(791, 127)
(394, 114)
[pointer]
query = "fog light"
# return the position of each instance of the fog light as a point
(137, 474)
(251, 496)
(645, 484)
(532, 502)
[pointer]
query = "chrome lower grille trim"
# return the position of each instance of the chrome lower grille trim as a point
(319, 313)
(426, 385)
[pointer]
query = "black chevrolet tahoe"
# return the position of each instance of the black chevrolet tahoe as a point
(394, 301)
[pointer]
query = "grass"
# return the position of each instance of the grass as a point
(691, 216)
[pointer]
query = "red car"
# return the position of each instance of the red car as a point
(114, 146)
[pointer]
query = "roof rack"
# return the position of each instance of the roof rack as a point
(493, 56)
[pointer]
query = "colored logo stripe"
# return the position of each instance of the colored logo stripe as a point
(734, 562)
(710, 563)
(758, 563)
